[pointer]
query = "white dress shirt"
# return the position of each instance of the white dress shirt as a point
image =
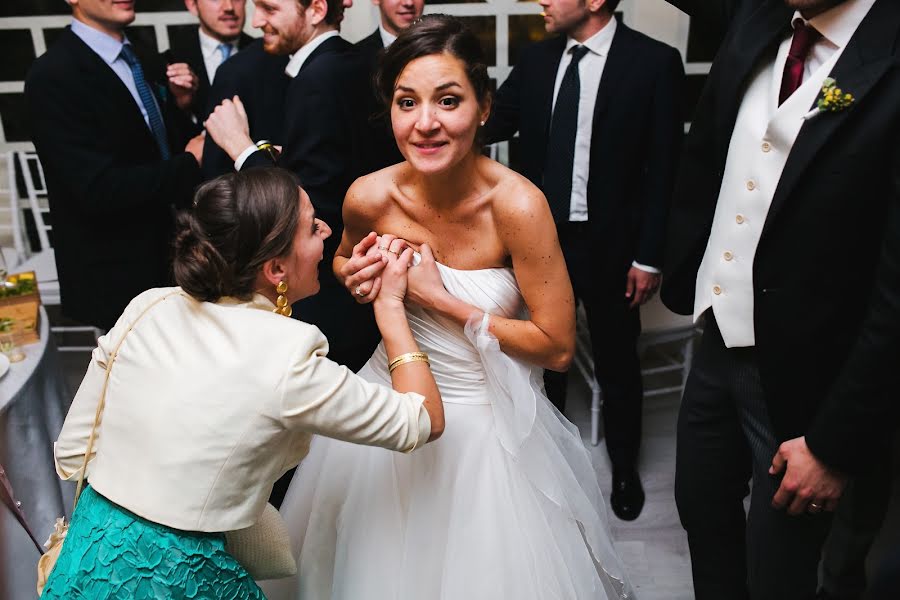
(590, 71)
(208, 404)
(760, 146)
(109, 49)
(212, 53)
(298, 59)
(387, 38)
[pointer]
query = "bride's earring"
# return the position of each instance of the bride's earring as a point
(482, 123)
(281, 304)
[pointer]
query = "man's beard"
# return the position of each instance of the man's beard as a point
(810, 8)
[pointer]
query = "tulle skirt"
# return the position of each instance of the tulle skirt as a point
(505, 505)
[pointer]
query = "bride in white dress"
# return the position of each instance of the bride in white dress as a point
(506, 504)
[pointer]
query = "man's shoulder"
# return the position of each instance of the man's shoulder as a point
(59, 61)
(641, 42)
(372, 43)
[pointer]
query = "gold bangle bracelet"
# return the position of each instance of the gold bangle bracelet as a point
(407, 358)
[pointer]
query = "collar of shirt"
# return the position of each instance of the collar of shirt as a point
(387, 38)
(106, 46)
(599, 43)
(838, 24)
(299, 57)
(209, 46)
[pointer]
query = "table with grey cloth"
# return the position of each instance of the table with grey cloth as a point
(33, 402)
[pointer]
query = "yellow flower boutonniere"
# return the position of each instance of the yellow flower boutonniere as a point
(833, 98)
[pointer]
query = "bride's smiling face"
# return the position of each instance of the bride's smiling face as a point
(435, 112)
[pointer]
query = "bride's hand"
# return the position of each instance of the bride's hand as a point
(360, 274)
(425, 284)
(394, 278)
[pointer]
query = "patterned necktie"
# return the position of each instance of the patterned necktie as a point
(561, 144)
(805, 37)
(157, 127)
(225, 49)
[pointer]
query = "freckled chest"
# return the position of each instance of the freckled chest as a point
(463, 237)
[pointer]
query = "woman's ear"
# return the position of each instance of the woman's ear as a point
(486, 109)
(273, 271)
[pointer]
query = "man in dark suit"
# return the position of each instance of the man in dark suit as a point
(599, 120)
(785, 235)
(326, 143)
(218, 36)
(258, 78)
(395, 16)
(105, 137)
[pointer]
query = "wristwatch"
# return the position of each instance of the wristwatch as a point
(268, 147)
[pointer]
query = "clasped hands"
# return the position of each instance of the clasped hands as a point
(362, 273)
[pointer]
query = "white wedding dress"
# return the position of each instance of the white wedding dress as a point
(505, 505)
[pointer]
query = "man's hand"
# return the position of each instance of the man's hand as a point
(228, 126)
(640, 286)
(195, 146)
(808, 485)
(183, 83)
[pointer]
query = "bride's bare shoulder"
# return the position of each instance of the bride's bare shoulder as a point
(517, 202)
(371, 195)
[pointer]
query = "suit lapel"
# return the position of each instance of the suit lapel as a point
(752, 41)
(615, 69)
(868, 56)
(545, 75)
(106, 83)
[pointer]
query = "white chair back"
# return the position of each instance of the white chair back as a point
(11, 227)
(36, 191)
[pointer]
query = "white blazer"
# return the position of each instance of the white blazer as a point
(209, 404)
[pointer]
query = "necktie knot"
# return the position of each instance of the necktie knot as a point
(226, 50)
(805, 37)
(128, 55)
(577, 53)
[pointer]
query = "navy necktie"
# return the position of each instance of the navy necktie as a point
(561, 145)
(157, 127)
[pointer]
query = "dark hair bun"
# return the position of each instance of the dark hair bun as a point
(238, 222)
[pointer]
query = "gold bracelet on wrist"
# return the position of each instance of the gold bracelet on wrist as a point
(408, 358)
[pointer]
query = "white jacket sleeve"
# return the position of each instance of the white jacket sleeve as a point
(323, 397)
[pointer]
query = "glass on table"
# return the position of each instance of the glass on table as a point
(9, 347)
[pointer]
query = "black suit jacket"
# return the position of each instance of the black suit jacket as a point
(826, 274)
(184, 46)
(636, 137)
(328, 143)
(111, 194)
(385, 151)
(260, 81)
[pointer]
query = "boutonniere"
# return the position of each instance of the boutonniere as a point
(832, 99)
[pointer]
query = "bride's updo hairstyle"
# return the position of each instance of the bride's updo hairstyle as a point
(239, 221)
(432, 34)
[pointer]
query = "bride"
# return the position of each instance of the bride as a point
(510, 482)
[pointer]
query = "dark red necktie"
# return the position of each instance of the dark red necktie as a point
(804, 39)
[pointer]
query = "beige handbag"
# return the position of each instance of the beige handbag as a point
(263, 549)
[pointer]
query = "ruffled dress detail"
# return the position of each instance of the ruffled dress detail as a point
(505, 505)
(111, 553)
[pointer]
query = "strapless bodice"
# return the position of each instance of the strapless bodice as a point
(455, 361)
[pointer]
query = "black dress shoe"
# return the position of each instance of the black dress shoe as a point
(627, 497)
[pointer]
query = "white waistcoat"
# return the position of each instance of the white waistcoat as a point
(761, 142)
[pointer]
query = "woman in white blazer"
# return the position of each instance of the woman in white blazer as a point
(214, 393)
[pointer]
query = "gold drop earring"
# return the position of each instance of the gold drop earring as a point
(281, 304)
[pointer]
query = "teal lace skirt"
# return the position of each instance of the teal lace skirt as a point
(110, 553)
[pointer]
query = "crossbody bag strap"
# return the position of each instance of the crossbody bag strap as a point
(102, 402)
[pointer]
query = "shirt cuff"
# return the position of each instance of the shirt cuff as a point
(646, 268)
(243, 156)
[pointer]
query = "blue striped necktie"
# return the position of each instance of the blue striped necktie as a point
(156, 122)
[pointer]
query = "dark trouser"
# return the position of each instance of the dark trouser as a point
(724, 437)
(856, 524)
(614, 330)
